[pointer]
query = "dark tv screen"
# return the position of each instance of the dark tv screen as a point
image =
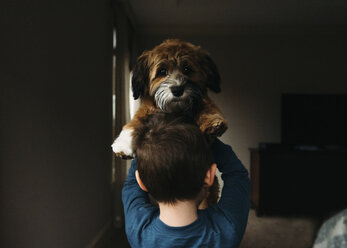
(314, 119)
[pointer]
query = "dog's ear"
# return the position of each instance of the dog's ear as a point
(140, 77)
(211, 70)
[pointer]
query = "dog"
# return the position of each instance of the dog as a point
(175, 77)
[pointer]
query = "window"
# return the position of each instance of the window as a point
(113, 170)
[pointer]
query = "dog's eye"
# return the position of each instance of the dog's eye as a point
(187, 70)
(162, 72)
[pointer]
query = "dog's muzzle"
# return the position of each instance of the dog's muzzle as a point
(175, 97)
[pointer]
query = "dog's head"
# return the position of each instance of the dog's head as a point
(176, 74)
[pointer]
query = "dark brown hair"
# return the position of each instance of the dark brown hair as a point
(172, 155)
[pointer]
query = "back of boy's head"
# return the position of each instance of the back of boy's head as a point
(173, 157)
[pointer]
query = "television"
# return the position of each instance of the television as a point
(314, 120)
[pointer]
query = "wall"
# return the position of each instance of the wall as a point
(56, 85)
(256, 67)
(255, 70)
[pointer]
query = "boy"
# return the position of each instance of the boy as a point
(175, 165)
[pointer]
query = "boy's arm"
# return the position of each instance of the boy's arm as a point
(234, 201)
(133, 196)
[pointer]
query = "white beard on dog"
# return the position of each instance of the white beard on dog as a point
(176, 94)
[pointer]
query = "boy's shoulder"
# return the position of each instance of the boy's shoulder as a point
(144, 216)
(215, 218)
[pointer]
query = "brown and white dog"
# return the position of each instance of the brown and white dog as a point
(174, 77)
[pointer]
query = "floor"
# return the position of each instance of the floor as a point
(279, 232)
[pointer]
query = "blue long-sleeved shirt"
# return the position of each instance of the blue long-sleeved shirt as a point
(220, 225)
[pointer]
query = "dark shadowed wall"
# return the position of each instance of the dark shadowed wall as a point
(55, 75)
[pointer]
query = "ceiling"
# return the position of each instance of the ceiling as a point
(213, 13)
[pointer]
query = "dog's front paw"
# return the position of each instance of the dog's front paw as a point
(122, 146)
(216, 128)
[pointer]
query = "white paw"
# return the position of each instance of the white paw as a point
(122, 146)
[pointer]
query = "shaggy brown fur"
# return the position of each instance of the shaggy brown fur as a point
(175, 63)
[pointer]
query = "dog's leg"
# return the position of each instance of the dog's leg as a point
(210, 119)
(122, 146)
(212, 195)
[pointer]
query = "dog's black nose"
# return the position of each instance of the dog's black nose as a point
(177, 90)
